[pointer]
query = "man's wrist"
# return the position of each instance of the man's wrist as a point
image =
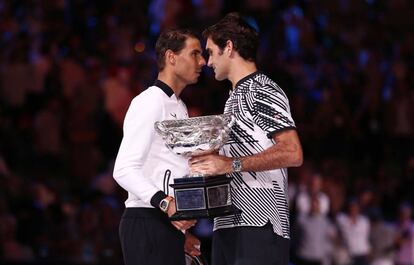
(165, 203)
(237, 165)
(157, 198)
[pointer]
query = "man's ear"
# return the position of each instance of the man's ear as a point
(229, 47)
(170, 57)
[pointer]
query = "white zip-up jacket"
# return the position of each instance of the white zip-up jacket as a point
(144, 165)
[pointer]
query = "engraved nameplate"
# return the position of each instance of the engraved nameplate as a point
(190, 199)
(218, 196)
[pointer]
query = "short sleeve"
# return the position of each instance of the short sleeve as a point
(271, 110)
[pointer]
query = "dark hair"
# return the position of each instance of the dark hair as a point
(172, 39)
(234, 28)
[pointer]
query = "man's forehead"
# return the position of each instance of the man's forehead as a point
(210, 44)
(192, 43)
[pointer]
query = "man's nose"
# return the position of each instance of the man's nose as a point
(202, 61)
(209, 63)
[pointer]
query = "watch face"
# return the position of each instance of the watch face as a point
(164, 205)
(236, 165)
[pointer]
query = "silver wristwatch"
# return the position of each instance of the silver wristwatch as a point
(164, 203)
(236, 164)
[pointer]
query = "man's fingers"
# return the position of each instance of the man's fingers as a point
(195, 252)
(202, 168)
(176, 225)
(190, 223)
(200, 159)
(184, 225)
(195, 160)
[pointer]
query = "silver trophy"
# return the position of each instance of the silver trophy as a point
(198, 196)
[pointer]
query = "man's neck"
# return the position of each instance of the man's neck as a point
(241, 69)
(175, 85)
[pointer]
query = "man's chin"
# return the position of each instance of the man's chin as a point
(219, 78)
(192, 82)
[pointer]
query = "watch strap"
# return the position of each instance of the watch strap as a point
(157, 198)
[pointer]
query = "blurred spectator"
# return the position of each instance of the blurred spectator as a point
(298, 182)
(315, 234)
(116, 89)
(72, 76)
(354, 229)
(4, 169)
(16, 76)
(48, 138)
(381, 239)
(10, 248)
(313, 189)
(404, 236)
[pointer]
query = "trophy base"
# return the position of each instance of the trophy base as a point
(202, 197)
(210, 213)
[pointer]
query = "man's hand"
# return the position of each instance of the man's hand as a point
(210, 165)
(192, 245)
(182, 224)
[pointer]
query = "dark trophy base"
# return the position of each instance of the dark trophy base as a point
(202, 197)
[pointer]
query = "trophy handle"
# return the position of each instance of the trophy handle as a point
(159, 128)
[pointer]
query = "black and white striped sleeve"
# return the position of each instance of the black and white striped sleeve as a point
(271, 110)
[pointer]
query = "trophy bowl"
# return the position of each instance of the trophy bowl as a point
(195, 136)
(198, 196)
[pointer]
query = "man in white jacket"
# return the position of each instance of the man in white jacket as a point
(145, 166)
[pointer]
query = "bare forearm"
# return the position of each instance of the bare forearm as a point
(280, 155)
(287, 152)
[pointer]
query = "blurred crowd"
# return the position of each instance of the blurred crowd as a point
(69, 69)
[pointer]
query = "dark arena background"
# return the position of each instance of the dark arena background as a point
(69, 69)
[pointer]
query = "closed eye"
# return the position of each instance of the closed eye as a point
(196, 53)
